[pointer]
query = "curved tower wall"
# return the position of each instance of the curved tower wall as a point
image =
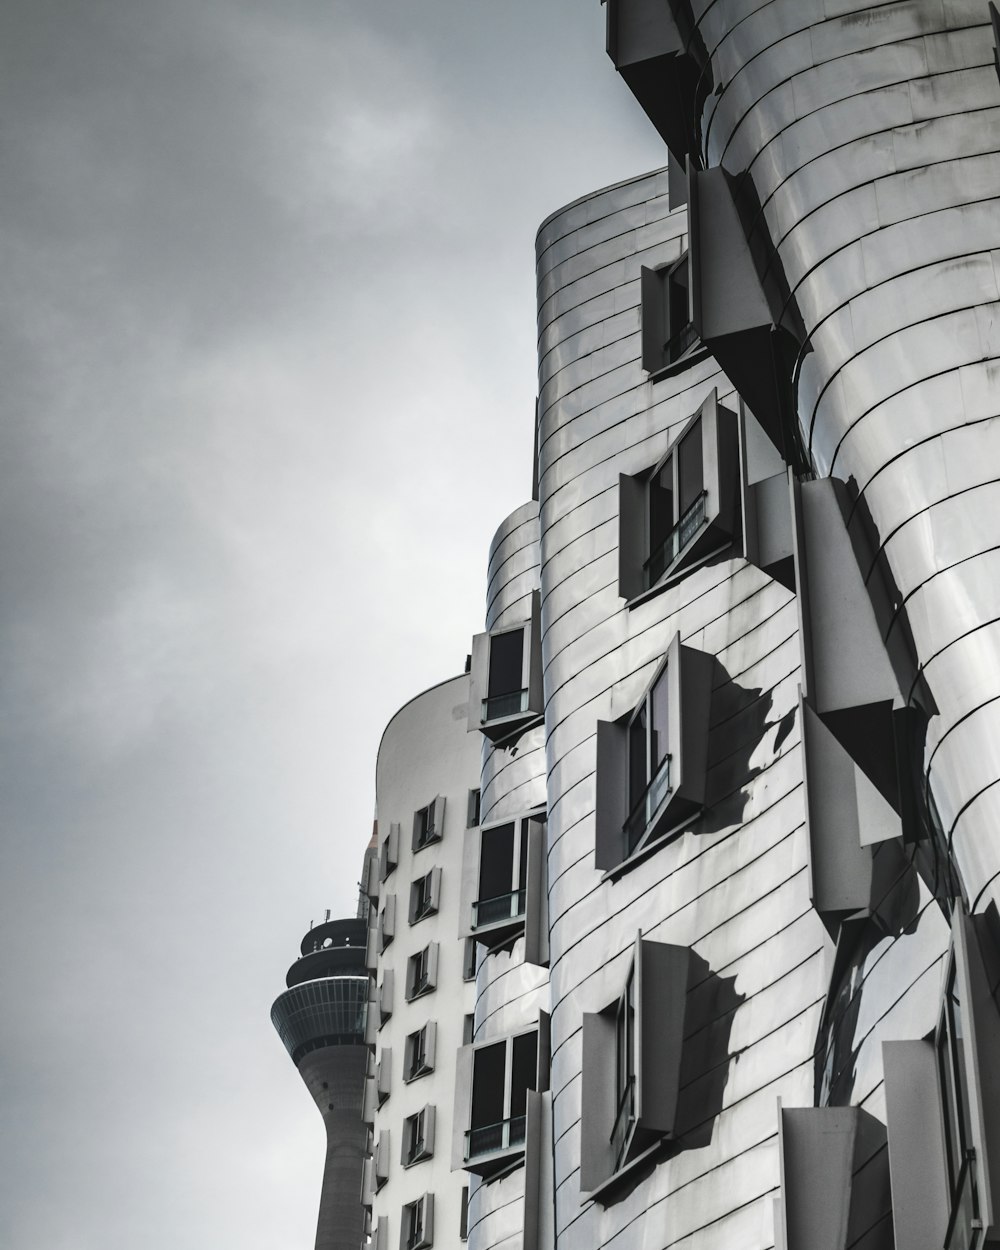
(510, 991)
(425, 753)
(733, 888)
(872, 140)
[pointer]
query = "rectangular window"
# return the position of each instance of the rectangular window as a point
(418, 1136)
(668, 333)
(389, 852)
(469, 960)
(468, 1029)
(428, 824)
(424, 895)
(421, 972)
(506, 689)
(463, 1225)
(472, 818)
(684, 507)
(418, 1057)
(418, 1230)
(502, 1074)
(503, 874)
(651, 765)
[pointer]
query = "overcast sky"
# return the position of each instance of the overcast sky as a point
(267, 329)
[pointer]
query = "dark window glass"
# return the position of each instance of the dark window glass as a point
(661, 506)
(496, 861)
(488, 1085)
(658, 727)
(522, 871)
(523, 1072)
(638, 777)
(473, 815)
(690, 469)
(506, 655)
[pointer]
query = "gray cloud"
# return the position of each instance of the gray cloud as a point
(268, 316)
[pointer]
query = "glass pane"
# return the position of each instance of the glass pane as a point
(637, 774)
(661, 507)
(658, 728)
(506, 655)
(690, 469)
(496, 861)
(488, 1071)
(523, 1072)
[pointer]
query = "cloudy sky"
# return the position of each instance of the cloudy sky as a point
(268, 374)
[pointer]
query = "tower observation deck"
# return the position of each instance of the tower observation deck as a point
(321, 1018)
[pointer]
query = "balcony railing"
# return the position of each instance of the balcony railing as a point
(623, 1122)
(681, 342)
(642, 813)
(964, 1228)
(501, 705)
(488, 1138)
(502, 907)
(667, 552)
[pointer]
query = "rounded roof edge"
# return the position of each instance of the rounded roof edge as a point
(409, 703)
(524, 513)
(592, 195)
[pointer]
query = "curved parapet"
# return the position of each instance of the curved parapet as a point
(328, 1012)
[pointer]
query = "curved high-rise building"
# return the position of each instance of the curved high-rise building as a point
(321, 1020)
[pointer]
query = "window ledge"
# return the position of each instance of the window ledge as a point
(421, 993)
(648, 849)
(408, 1080)
(497, 1164)
(424, 915)
(518, 727)
(694, 355)
(431, 841)
(608, 1191)
(671, 578)
(420, 1158)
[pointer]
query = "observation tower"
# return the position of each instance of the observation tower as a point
(320, 1018)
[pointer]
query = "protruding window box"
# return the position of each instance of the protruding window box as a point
(651, 764)
(387, 923)
(632, 1052)
(650, 51)
(425, 895)
(385, 997)
(506, 686)
(421, 972)
(669, 339)
(381, 1159)
(388, 856)
(418, 1137)
(834, 1180)
(428, 824)
(683, 509)
(418, 1054)
(729, 309)
(383, 1075)
(417, 1231)
(495, 1081)
(503, 892)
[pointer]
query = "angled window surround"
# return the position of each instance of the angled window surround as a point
(766, 503)
(493, 1105)
(684, 508)
(380, 1234)
(385, 996)
(425, 895)
(417, 1230)
(995, 22)
(368, 1185)
(472, 813)
(967, 1044)
(506, 687)
(632, 1052)
(383, 1075)
(421, 972)
(834, 1180)
(418, 1137)
(418, 1054)
(651, 764)
(729, 309)
(669, 338)
(372, 875)
(387, 922)
(847, 678)
(503, 891)
(463, 1226)
(381, 1159)
(469, 959)
(654, 55)
(428, 824)
(388, 856)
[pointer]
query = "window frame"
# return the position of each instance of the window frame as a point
(526, 910)
(418, 1137)
(688, 673)
(421, 972)
(428, 824)
(666, 348)
(709, 525)
(511, 724)
(420, 1044)
(425, 894)
(388, 858)
(417, 1224)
